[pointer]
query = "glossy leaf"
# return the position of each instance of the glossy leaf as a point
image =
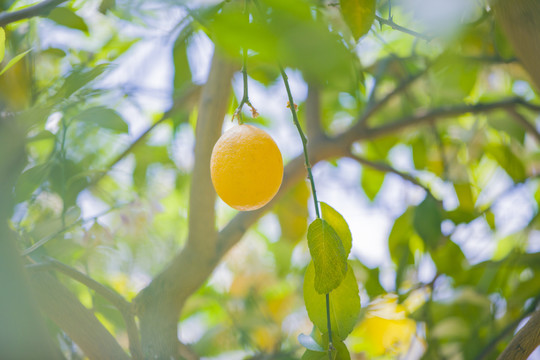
(344, 304)
(329, 257)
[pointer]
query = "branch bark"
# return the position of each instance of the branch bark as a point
(62, 307)
(41, 9)
(525, 342)
(159, 304)
(112, 296)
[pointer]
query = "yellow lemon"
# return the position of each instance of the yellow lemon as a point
(246, 167)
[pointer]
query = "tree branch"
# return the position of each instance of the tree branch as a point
(159, 304)
(112, 296)
(63, 307)
(388, 169)
(397, 27)
(425, 116)
(372, 108)
(41, 9)
(525, 342)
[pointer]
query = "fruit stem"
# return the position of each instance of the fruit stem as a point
(292, 106)
(245, 97)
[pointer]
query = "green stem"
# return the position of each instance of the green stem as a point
(303, 137)
(315, 201)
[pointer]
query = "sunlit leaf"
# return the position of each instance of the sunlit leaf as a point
(14, 61)
(359, 15)
(372, 181)
(344, 304)
(66, 17)
(338, 223)
(328, 256)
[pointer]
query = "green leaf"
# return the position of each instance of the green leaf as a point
(292, 212)
(398, 240)
(105, 118)
(30, 180)
(371, 181)
(359, 15)
(465, 195)
(340, 353)
(14, 61)
(66, 17)
(427, 220)
(2, 43)
(503, 123)
(338, 223)
(79, 78)
(328, 256)
(504, 156)
(344, 304)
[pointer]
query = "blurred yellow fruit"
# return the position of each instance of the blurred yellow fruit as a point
(384, 330)
(246, 167)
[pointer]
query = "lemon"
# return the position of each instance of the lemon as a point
(246, 167)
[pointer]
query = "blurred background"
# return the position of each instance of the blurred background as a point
(447, 264)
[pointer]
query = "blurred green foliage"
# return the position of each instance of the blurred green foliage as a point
(119, 215)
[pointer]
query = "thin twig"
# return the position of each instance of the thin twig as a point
(529, 127)
(43, 8)
(109, 294)
(397, 27)
(379, 166)
(46, 239)
(376, 106)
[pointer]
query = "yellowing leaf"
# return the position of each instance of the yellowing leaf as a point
(359, 15)
(329, 257)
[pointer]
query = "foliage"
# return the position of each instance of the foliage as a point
(434, 142)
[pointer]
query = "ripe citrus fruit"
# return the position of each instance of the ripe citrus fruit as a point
(246, 167)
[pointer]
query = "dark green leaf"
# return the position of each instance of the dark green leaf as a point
(66, 17)
(344, 304)
(427, 220)
(105, 118)
(328, 256)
